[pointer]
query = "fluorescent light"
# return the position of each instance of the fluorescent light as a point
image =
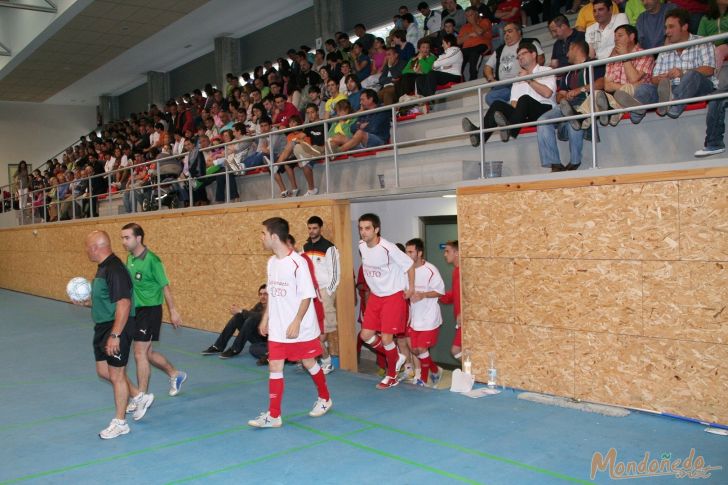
(449, 196)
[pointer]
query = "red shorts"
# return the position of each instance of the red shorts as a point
(294, 350)
(386, 314)
(457, 341)
(423, 339)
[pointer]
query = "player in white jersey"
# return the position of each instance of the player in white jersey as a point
(385, 270)
(425, 316)
(290, 322)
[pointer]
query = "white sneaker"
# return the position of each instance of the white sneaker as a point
(706, 152)
(293, 192)
(265, 420)
(175, 383)
(320, 408)
(132, 405)
(400, 362)
(313, 191)
(116, 428)
(142, 405)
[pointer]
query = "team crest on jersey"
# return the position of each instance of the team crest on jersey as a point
(138, 276)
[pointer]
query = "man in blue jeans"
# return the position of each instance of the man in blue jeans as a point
(715, 120)
(372, 129)
(678, 74)
(572, 91)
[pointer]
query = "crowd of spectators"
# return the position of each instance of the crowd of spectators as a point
(448, 46)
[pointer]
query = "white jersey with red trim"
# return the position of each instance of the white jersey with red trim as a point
(289, 283)
(385, 267)
(425, 314)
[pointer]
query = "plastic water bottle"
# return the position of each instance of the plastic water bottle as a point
(467, 363)
(492, 371)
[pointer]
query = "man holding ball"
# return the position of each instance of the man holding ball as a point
(151, 289)
(112, 311)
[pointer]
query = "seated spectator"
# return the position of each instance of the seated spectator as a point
(341, 131)
(564, 35)
(378, 56)
(345, 46)
(433, 20)
(633, 9)
(287, 154)
(451, 10)
(334, 97)
(715, 22)
(246, 323)
(345, 71)
(620, 76)
(291, 89)
(409, 24)
(371, 129)
(364, 38)
(509, 11)
(529, 99)
(283, 111)
(696, 9)
(391, 74)
(362, 63)
(265, 152)
(405, 50)
(474, 39)
(600, 34)
(319, 60)
(677, 75)
(571, 93)
(484, 10)
(446, 69)
(314, 97)
(502, 65)
(418, 66)
(651, 23)
(353, 87)
(312, 148)
(715, 120)
(586, 16)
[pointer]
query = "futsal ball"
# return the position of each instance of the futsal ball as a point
(78, 289)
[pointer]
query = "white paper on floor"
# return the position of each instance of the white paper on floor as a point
(483, 391)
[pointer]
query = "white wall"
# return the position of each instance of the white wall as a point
(400, 218)
(34, 132)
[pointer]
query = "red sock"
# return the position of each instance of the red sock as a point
(275, 391)
(392, 355)
(426, 364)
(320, 380)
(378, 349)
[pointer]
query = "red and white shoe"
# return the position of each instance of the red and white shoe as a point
(387, 382)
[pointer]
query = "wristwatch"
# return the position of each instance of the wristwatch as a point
(114, 335)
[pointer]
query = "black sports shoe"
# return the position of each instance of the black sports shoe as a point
(210, 350)
(228, 353)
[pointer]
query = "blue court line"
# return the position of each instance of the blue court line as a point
(270, 456)
(385, 454)
(463, 449)
(193, 390)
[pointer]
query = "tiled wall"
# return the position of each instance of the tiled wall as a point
(606, 290)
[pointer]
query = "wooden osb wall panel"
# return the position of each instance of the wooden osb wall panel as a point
(611, 290)
(214, 258)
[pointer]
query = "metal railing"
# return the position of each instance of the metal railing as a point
(163, 187)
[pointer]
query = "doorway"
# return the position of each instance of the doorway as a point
(436, 231)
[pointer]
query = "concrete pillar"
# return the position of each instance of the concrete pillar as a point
(109, 107)
(227, 59)
(328, 18)
(158, 88)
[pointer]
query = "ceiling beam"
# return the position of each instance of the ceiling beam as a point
(50, 8)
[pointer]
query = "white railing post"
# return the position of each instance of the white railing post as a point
(593, 106)
(480, 132)
(394, 147)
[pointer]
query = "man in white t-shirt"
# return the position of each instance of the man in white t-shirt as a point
(600, 34)
(387, 270)
(290, 322)
(425, 316)
(529, 99)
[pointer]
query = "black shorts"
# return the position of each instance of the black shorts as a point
(101, 335)
(148, 323)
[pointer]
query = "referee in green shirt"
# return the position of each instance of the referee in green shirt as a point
(151, 289)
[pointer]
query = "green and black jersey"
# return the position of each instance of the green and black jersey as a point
(149, 278)
(111, 284)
